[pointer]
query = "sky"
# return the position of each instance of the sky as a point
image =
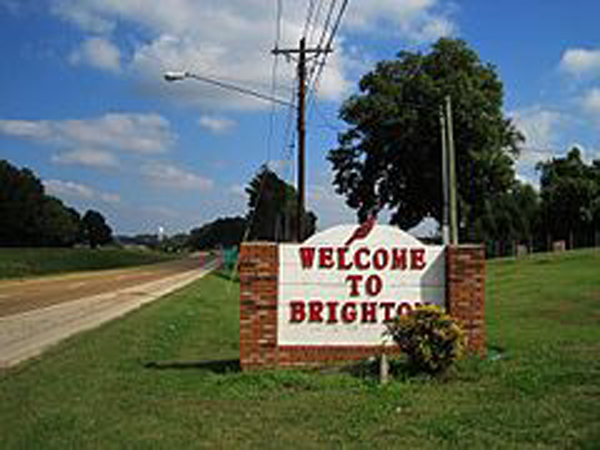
(86, 107)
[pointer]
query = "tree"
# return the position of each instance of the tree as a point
(175, 244)
(570, 192)
(390, 157)
(509, 218)
(61, 226)
(273, 211)
(95, 229)
(21, 200)
(225, 232)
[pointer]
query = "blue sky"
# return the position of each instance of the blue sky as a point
(84, 104)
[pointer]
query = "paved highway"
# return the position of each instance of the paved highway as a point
(17, 296)
(38, 313)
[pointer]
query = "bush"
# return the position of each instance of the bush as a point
(430, 338)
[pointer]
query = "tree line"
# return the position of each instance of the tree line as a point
(29, 217)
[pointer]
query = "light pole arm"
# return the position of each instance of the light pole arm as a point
(179, 76)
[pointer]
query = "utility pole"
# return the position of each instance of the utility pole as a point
(301, 123)
(301, 137)
(445, 187)
(451, 174)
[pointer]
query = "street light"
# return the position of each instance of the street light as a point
(176, 76)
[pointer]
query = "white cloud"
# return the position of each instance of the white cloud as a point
(138, 133)
(542, 128)
(416, 20)
(239, 190)
(87, 157)
(591, 102)
(232, 40)
(99, 53)
(26, 129)
(215, 124)
(581, 61)
(72, 190)
(165, 175)
(84, 14)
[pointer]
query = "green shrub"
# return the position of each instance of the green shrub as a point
(430, 338)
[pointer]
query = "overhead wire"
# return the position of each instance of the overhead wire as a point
(318, 65)
(250, 223)
(315, 22)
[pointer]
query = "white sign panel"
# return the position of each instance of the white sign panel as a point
(340, 286)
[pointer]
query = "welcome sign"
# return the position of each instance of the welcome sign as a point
(339, 287)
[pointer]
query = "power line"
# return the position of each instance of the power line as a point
(309, 13)
(323, 34)
(334, 30)
(316, 21)
(279, 13)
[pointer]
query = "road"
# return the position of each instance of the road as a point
(38, 313)
(17, 296)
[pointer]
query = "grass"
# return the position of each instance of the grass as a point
(25, 262)
(99, 390)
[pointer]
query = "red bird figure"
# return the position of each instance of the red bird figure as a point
(362, 231)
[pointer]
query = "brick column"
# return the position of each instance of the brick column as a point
(465, 292)
(259, 269)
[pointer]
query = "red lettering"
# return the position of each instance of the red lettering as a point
(354, 283)
(307, 257)
(315, 310)
(373, 285)
(342, 263)
(417, 258)
(398, 259)
(297, 312)
(326, 258)
(360, 263)
(380, 258)
(369, 311)
(404, 308)
(349, 312)
(388, 311)
(332, 312)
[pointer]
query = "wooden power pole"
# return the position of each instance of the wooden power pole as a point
(452, 174)
(301, 51)
(449, 210)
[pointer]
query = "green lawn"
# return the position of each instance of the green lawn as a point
(25, 262)
(98, 391)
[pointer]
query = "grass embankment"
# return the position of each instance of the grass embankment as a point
(26, 262)
(96, 391)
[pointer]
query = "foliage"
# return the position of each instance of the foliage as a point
(570, 191)
(508, 218)
(21, 199)
(29, 216)
(223, 232)
(431, 339)
(177, 243)
(273, 210)
(391, 154)
(60, 225)
(95, 230)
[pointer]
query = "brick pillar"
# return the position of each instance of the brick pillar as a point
(465, 292)
(259, 268)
